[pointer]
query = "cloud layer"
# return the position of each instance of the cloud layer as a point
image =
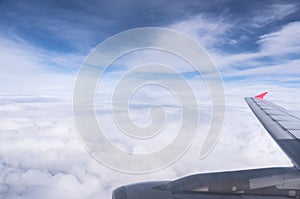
(41, 155)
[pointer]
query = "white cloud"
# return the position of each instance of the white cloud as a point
(278, 72)
(41, 155)
(28, 70)
(276, 54)
(277, 51)
(209, 32)
(279, 48)
(273, 12)
(283, 41)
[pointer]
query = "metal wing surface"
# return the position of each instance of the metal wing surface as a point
(282, 125)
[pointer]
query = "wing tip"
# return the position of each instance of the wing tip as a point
(262, 95)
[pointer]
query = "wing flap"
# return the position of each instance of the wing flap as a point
(283, 126)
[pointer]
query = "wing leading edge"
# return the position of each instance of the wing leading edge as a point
(283, 126)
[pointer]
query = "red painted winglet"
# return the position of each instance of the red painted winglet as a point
(261, 96)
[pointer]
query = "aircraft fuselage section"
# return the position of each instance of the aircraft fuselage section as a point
(256, 183)
(270, 181)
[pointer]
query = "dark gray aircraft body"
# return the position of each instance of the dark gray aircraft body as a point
(267, 183)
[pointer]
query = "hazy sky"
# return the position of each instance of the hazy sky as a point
(254, 44)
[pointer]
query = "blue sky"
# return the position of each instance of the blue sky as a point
(246, 39)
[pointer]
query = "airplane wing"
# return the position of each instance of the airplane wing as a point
(283, 126)
(266, 183)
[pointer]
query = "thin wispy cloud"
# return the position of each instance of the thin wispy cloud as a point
(273, 13)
